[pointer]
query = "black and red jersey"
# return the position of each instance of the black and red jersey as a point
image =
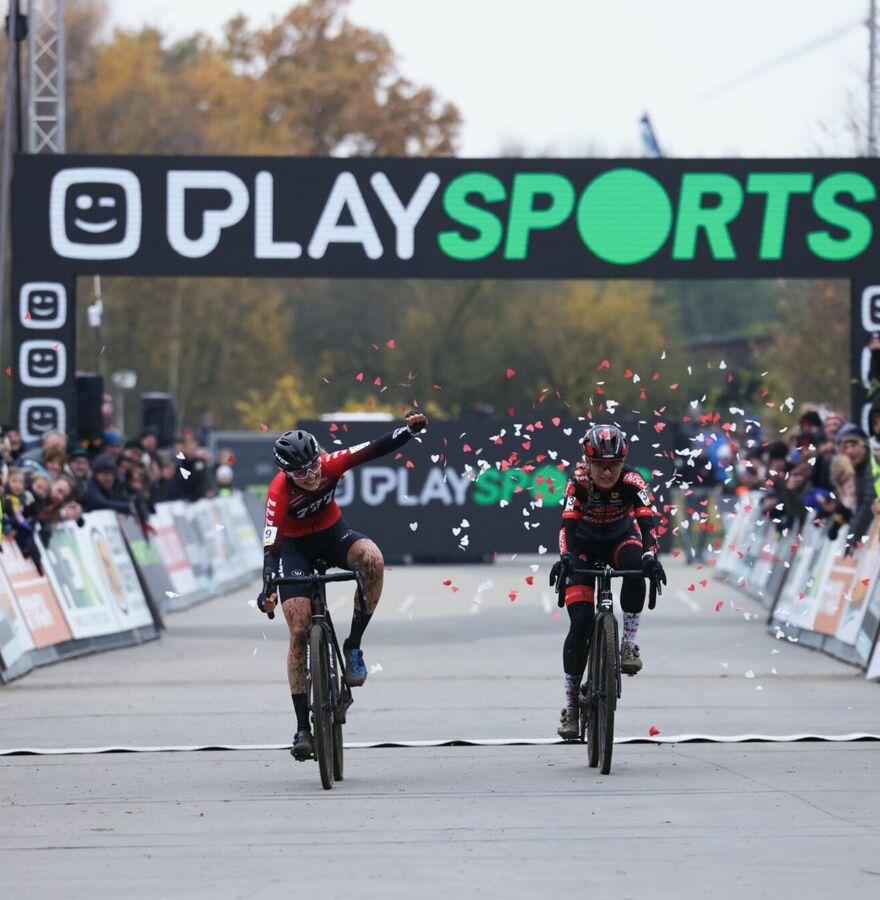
(591, 515)
(294, 512)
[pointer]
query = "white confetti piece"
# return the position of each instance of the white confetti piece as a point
(255, 651)
(759, 687)
(413, 526)
(185, 472)
(487, 585)
(180, 455)
(376, 667)
(542, 549)
(750, 674)
(172, 594)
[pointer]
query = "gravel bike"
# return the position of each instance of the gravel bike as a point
(600, 692)
(329, 695)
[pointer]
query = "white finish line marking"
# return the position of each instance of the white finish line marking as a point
(460, 742)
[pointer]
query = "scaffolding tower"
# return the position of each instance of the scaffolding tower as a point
(46, 121)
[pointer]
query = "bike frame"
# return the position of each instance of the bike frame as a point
(320, 615)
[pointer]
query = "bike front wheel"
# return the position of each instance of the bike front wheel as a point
(322, 705)
(606, 701)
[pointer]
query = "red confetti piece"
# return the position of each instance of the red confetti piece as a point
(530, 579)
(866, 581)
(264, 427)
(719, 605)
(334, 427)
(9, 370)
(447, 582)
(437, 387)
(693, 587)
(359, 376)
(377, 382)
(511, 373)
(513, 596)
(703, 583)
(653, 731)
(673, 387)
(603, 365)
(659, 426)
(556, 420)
(390, 344)
(466, 448)
(410, 464)
(628, 373)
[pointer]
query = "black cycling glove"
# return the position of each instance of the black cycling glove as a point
(651, 568)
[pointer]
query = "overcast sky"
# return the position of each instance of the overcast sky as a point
(567, 75)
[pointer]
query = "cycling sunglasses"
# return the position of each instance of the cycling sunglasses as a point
(305, 471)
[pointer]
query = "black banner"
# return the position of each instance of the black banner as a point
(411, 218)
(467, 489)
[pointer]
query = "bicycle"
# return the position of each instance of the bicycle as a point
(329, 695)
(599, 694)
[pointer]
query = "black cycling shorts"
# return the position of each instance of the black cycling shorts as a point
(299, 554)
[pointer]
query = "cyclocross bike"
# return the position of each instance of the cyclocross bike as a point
(329, 695)
(601, 690)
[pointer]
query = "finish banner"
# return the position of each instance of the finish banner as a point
(416, 218)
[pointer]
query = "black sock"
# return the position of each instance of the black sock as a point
(301, 705)
(359, 622)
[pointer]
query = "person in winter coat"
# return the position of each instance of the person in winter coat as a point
(853, 442)
(102, 490)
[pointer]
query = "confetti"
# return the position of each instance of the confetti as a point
(172, 594)
(511, 373)
(653, 731)
(391, 344)
(512, 595)
(413, 526)
(719, 606)
(185, 472)
(530, 580)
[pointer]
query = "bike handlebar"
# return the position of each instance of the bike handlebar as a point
(608, 572)
(313, 579)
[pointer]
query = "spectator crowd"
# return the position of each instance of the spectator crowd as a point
(57, 480)
(826, 473)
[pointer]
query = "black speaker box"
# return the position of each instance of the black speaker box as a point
(159, 412)
(89, 398)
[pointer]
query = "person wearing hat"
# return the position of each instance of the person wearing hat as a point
(853, 442)
(102, 490)
(80, 469)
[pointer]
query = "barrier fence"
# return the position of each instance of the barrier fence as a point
(812, 591)
(107, 583)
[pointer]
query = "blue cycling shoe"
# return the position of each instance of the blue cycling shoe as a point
(355, 668)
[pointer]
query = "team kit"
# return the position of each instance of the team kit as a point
(608, 518)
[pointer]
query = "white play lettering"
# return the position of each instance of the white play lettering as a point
(345, 193)
(213, 220)
(377, 483)
(265, 245)
(460, 485)
(405, 218)
(403, 497)
(435, 488)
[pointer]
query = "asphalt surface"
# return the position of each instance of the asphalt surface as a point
(739, 820)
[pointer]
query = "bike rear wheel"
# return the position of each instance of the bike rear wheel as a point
(606, 701)
(322, 707)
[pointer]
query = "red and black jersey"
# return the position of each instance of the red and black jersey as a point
(294, 512)
(592, 515)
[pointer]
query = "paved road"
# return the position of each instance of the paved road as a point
(696, 820)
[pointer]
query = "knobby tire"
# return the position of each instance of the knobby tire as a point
(607, 699)
(322, 711)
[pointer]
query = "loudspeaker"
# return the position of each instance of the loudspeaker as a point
(159, 412)
(89, 399)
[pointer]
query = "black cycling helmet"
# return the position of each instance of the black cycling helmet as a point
(604, 442)
(295, 450)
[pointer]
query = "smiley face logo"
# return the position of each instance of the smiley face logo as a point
(42, 363)
(95, 213)
(38, 415)
(42, 304)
